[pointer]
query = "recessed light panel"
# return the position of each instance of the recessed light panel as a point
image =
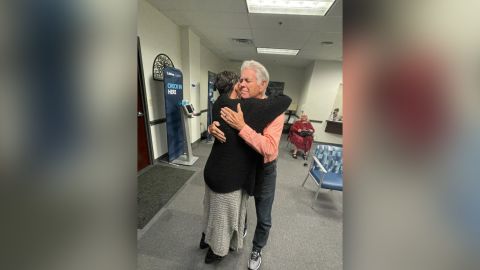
(294, 7)
(277, 51)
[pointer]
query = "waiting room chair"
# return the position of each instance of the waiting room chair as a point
(326, 169)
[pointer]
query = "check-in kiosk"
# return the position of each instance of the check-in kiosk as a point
(188, 159)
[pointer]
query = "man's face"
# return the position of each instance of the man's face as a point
(250, 87)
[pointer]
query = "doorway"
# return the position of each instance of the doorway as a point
(144, 156)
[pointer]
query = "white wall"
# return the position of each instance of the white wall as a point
(306, 86)
(208, 62)
(319, 95)
(187, 54)
(293, 78)
(339, 100)
(191, 76)
(152, 28)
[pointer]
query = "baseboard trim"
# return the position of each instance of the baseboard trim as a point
(164, 158)
(327, 143)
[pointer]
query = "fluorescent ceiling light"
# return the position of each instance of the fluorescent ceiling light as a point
(295, 7)
(277, 51)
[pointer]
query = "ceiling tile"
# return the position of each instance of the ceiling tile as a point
(282, 39)
(216, 22)
(327, 53)
(336, 9)
(201, 5)
(322, 36)
(209, 20)
(329, 24)
(284, 22)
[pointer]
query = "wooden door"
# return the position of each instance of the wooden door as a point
(143, 149)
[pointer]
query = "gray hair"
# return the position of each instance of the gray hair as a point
(260, 70)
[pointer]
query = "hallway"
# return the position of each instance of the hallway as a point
(300, 238)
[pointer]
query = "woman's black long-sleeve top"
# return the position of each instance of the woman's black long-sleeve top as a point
(233, 165)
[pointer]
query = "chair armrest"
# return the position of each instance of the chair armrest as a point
(315, 159)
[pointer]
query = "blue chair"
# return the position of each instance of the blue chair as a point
(326, 169)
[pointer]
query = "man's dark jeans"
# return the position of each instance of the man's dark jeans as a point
(264, 194)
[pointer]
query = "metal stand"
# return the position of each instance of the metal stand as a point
(187, 159)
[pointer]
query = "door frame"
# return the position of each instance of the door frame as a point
(141, 77)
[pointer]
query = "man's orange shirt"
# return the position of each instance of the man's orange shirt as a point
(266, 144)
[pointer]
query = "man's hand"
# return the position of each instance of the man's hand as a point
(216, 132)
(233, 119)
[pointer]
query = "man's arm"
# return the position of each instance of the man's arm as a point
(266, 144)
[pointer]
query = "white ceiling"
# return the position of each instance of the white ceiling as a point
(216, 22)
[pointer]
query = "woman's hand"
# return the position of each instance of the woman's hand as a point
(216, 132)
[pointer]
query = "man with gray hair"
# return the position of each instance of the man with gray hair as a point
(253, 84)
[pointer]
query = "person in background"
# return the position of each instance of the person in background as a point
(301, 136)
(335, 116)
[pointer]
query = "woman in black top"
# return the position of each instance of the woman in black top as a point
(231, 169)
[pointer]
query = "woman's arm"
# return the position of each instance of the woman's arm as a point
(310, 126)
(274, 105)
(218, 128)
(296, 126)
(258, 113)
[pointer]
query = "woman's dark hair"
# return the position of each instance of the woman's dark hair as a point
(225, 81)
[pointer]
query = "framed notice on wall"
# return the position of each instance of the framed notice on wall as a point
(275, 88)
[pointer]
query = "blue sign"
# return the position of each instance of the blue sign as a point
(173, 86)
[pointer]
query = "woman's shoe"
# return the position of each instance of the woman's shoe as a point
(203, 245)
(212, 257)
(294, 155)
